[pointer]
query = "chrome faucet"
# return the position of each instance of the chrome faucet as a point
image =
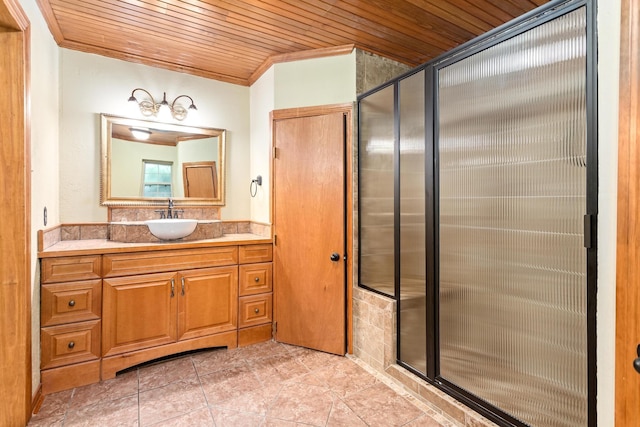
(170, 212)
(170, 209)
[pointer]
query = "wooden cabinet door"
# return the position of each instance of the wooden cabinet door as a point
(207, 301)
(138, 312)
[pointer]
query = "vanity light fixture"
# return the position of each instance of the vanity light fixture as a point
(149, 107)
(141, 134)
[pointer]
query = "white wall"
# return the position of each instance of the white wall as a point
(262, 103)
(318, 81)
(306, 83)
(92, 84)
(44, 112)
(608, 82)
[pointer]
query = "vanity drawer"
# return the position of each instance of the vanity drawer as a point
(254, 310)
(255, 253)
(255, 279)
(67, 344)
(70, 302)
(66, 269)
(128, 264)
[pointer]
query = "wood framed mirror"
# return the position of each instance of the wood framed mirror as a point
(143, 163)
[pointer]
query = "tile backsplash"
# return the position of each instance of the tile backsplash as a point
(143, 214)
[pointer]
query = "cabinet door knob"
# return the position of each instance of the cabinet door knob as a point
(257, 310)
(72, 303)
(257, 279)
(71, 344)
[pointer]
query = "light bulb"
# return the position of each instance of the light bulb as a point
(141, 134)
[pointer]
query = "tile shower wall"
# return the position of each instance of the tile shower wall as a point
(374, 328)
(373, 70)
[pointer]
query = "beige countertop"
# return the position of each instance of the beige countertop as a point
(102, 246)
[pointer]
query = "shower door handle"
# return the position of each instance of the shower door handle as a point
(636, 363)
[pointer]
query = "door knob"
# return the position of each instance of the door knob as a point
(335, 257)
(636, 363)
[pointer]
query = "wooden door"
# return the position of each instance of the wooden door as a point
(15, 233)
(200, 180)
(138, 312)
(207, 301)
(627, 396)
(309, 223)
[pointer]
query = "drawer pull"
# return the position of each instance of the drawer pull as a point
(257, 310)
(72, 303)
(257, 279)
(71, 344)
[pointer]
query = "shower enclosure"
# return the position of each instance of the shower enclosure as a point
(477, 198)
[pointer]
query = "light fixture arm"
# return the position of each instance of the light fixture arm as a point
(191, 107)
(132, 98)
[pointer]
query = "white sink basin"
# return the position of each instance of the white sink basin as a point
(171, 229)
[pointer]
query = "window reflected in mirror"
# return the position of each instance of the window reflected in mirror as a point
(156, 179)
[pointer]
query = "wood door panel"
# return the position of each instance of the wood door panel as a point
(15, 244)
(138, 312)
(309, 224)
(207, 301)
(200, 179)
(627, 380)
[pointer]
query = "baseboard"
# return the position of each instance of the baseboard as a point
(36, 401)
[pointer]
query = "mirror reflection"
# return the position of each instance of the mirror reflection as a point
(146, 162)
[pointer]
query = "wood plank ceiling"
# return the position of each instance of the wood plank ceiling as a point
(236, 40)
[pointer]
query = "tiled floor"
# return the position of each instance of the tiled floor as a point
(267, 384)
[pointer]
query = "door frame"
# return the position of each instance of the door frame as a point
(627, 394)
(15, 236)
(347, 109)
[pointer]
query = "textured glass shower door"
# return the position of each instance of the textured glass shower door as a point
(376, 191)
(412, 314)
(512, 196)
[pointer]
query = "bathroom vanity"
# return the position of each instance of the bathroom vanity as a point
(107, 306)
